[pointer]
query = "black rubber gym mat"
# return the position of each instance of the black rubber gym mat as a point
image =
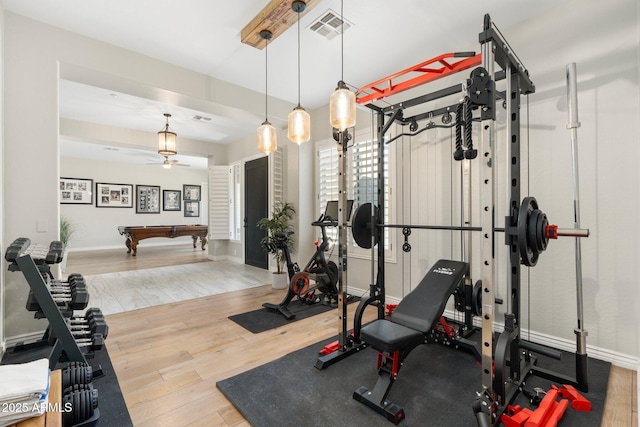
(113, 410)
(261, 320)
(436, 387)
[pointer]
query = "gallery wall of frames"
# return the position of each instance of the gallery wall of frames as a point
(100, 196)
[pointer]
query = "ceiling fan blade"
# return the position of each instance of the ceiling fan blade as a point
(182, 164)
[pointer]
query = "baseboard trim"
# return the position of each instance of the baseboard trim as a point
(164, 242)
(23, 339)
(616, 358)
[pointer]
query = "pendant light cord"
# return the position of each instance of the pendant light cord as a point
(342, 40)
(298, 59)
(266, 79)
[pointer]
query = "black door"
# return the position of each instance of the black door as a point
(256, 202)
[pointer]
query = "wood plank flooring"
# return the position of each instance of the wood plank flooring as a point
(169, 357)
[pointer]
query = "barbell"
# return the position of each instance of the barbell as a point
(533, 230)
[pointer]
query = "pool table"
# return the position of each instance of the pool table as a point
(135, 234)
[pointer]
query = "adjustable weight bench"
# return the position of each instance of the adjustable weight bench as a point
(410, 325)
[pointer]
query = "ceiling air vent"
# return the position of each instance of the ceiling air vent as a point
(329, 24)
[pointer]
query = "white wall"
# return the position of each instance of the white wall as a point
(603, 41)
(35, 57)
(2, 265)
(97, 227)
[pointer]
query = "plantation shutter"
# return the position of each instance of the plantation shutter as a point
(278, 176)
(219, 202)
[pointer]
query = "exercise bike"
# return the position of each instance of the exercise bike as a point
(317, 282)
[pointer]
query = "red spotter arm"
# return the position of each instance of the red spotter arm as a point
(578, 401)
(515, 416)
(549, 413)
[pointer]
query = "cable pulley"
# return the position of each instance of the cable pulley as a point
(532, 232)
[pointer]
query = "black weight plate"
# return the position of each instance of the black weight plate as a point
(543, 240)
(532, 229)
(527, 257)
(332, 287)
(361, 226)
(476, 299)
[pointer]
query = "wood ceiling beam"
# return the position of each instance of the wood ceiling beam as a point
(276, 17)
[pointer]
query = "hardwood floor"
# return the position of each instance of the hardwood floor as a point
(169, 357)
(114, 260)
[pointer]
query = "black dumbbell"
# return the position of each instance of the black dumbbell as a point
(83, 405)
(92, 343)
(76, 373)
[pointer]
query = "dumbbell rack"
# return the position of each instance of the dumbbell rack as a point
(34, 261)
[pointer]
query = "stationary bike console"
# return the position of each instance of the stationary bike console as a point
(330, 216)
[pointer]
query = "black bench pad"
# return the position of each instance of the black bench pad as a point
(419, 311)
(387, 336)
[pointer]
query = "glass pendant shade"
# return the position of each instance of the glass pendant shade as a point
(167, 142)
(342, 108)
(299, 125)
(267, 140)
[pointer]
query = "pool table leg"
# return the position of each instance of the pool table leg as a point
(132, 246)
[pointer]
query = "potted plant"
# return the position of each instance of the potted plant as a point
(279, 222)
(67, 230)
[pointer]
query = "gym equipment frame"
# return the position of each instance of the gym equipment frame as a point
(19, 255)
(323, 273)
(506, 361)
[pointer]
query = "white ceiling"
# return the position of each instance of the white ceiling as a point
(204, 36)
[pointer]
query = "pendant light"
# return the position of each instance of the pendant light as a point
(267, 139)
(299, 129)
(342, 104)
(167, 140)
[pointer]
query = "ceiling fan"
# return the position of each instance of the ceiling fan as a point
(167, 164)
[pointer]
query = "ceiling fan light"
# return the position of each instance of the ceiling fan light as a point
(299, 129)
(166, 165)
(342, 107)
(267, 138)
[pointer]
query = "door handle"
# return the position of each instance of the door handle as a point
(245, 222)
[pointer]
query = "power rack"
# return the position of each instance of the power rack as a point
(507, 360)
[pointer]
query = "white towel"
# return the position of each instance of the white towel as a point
(24, 389)
(24, 380)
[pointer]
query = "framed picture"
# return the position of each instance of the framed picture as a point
(147, 199)
(191, 192)
(192, 209)
(76, 191)
(114, 195)
(171, 200)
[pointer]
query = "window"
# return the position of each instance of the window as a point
(362, 182)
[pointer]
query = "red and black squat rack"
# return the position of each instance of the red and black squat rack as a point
(501, 380)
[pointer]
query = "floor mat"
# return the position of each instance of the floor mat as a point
(436, 387)
(261, 320)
